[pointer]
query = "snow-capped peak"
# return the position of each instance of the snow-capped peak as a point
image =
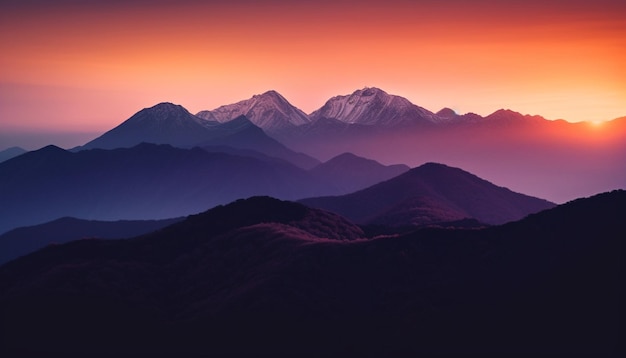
(269, 110)
(373, 106)
(165, 112)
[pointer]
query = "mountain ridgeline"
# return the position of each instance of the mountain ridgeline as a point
(171, 124)
(264, 277)
(526, 153)
(505, 146)
(431, 194)
(150, 181)
(24, 240)
(11, 153)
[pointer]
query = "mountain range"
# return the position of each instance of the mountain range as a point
(527, 154)
(264, 277)
(150, 181)
(166, 123)
(556, 160)
(375, 259)
(160, 181)
(553, 159)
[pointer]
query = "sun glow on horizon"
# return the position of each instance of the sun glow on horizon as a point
(92, 66)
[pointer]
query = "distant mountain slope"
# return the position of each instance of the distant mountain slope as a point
(432, 193)
(262, 272)
(171, 124)
(24, 240)
(241, 133)
(11, 153)
(563, 160)
(164, 123)
(147, 181)
(269, 111)
(349, 172)
(527, 153)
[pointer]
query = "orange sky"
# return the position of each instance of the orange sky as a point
(85, 66)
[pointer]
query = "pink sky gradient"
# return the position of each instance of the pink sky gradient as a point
(84, 67)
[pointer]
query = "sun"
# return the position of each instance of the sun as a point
(596, 124)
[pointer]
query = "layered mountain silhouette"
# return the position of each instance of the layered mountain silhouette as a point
(171, 124)
(349, 172)
(11, 153)
(24, 240)
(147, 181)
(241, 133)
(431, 194)
(262, 277)
(526, 153)
(152, 181)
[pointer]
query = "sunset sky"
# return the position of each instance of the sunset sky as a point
(71, 68)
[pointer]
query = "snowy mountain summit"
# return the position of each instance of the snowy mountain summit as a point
(373, 106)
(269, 110)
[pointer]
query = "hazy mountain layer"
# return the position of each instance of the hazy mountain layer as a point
(349, 172)
(24, 240)
(556, 160)
(432, 193)
(171, 124)
(11, 153)
(147, 181)
(151, 181)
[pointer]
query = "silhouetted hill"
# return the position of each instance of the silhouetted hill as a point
(349, 172)
(431, 193)
(11, 153)
(24, 240)
(164, 123)
(147, 181)
(256, 278)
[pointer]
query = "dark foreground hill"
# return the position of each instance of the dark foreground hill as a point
(431, 194)
(261, 277)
